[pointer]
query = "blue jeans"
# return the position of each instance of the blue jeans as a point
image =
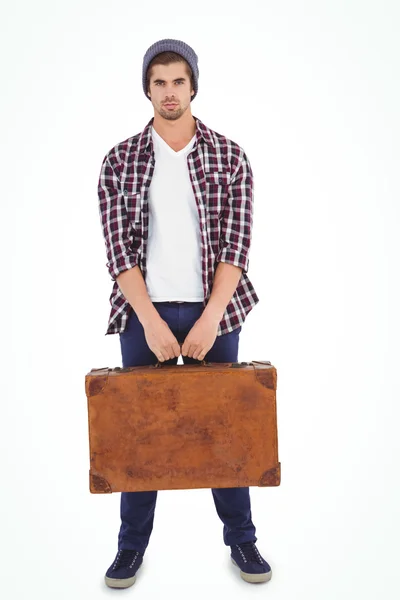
(137, 508)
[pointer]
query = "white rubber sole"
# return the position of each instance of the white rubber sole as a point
(253, 577)
(120, 583)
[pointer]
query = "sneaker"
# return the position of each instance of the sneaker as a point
(122, 573)
(253, 567)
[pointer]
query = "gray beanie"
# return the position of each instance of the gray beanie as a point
(168, 45)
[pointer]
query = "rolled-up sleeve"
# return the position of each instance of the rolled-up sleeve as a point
(116, 227)
(237, 218)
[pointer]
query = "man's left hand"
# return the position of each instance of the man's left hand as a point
(200, 338)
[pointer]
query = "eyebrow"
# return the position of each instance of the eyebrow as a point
(163, 80)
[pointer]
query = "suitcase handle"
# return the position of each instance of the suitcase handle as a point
(158, 364)
(204, 363)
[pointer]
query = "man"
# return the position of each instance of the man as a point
(176, 206)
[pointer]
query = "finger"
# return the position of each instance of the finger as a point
(191, 350)
(165, 354)
(171, 351)
(197, 355)
(162, 355)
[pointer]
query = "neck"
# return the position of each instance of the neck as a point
(183, 128)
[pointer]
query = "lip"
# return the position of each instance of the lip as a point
(170, 105)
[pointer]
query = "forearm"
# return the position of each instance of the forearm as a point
(133, 287)
(225, 282)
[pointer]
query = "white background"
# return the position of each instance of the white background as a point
(311, 91)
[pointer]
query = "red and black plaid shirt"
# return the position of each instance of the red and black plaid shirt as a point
(222, 182)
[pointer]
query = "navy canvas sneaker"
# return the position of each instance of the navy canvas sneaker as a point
(253, 567)
(122, 573)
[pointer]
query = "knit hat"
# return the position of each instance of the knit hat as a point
(169, 45)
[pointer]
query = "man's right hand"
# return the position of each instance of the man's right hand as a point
(161, 340)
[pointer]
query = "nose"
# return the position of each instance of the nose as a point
(166, 90)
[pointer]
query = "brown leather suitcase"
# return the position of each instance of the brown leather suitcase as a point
(168, 427)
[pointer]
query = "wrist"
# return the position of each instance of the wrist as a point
(148, 315)
(211, 317)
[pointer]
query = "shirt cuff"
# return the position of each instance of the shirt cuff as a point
(121, 265)
(234, 257)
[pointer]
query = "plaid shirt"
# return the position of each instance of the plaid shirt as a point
(222, 182)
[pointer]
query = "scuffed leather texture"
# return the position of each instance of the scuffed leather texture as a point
(167, 427)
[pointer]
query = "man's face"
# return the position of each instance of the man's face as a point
(170, 84)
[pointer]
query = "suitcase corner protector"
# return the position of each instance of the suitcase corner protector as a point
(271, 477)
(95, 385)
(98, 485)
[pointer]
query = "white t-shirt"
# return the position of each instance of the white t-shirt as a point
(174, 242)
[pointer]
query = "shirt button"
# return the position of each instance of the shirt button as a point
(125, 190)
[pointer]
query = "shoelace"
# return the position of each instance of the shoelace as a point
(249, 552)
(125, 558)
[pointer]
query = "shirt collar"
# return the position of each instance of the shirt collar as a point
(145, 142)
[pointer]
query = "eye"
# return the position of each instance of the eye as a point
(157, 82)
